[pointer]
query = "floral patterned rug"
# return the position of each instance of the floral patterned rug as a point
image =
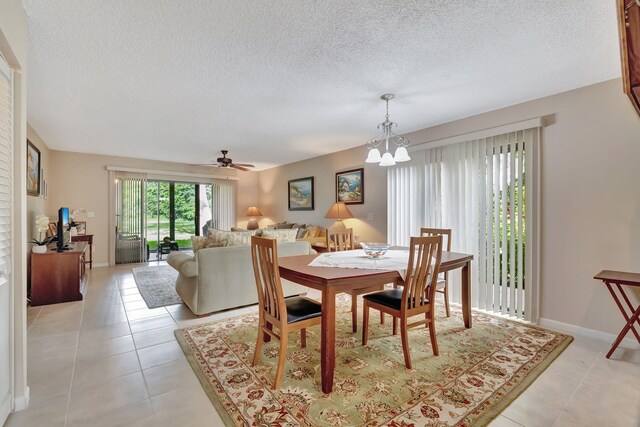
(478, 373)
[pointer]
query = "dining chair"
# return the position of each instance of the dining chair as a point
(342, 240)
(443, 281)
(416, 296)
(286, 314)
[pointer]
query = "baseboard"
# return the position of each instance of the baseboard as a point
(100, 264)
(21, 402)
(591, 333)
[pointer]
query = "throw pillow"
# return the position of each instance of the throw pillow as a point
(312, 232)
(302, 231)
(281, 236)
(202, 242)
(284, 226)
(238, 238)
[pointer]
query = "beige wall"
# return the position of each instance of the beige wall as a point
(247, 195)
(81, 181)
(590, 194)
(273, 193)
(37, 205)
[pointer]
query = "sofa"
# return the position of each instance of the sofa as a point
(319, 238)
(221, 278)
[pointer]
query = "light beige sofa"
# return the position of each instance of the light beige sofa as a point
(221, 278)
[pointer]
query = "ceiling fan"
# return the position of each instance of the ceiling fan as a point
(226, 162)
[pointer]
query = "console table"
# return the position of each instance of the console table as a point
(89, 239)
(58, 276)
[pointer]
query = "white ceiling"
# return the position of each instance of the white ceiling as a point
(280, 81)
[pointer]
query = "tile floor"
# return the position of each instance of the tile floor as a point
(111, 361)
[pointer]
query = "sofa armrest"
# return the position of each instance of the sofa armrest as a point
(185, 264)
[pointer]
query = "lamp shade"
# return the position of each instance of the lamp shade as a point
(401, 155)
(253, 211)
(374, 156)
(387, 160)
(339, 211)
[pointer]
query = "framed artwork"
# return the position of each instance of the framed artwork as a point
(301, 194)
(33, 169)
(81, 226)
(350, 187)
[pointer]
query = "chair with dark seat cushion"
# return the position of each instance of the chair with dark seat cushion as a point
(414, 298)
(287, 315)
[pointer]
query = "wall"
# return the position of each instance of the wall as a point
(81, 180)
(13, 46)
(247, 196)
(590, 210)
(37, 205)
(273, 193)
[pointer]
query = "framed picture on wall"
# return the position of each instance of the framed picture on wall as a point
(81, 226)
(33, 169)
(350, 187)
(301, 194)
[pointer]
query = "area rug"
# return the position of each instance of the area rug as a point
(157, 285)
(478, 373)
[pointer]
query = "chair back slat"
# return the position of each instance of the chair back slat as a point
(444, 232)
(342, 240)
(264, 255)
(425, 254)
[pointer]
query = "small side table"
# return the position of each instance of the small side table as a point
(89, 239)
(620, 279)
(166, 248)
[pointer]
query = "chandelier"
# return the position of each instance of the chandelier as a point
(390, 139)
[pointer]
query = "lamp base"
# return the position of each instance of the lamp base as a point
(338, 225)
(253, 224)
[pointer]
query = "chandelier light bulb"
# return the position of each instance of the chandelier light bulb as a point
(387, 159)
(374, 156)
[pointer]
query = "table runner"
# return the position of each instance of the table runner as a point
(396, 259)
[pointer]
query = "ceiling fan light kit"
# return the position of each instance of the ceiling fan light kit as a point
(389, 139)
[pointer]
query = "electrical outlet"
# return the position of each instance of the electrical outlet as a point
(369, 216)
(91, 214)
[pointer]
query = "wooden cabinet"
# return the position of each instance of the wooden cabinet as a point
(58, 276)
(89, 239)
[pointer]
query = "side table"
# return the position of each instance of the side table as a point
(89, 239)
(620, 279)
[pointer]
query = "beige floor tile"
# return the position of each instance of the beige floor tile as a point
(590, 406)
(534, 410)
(95, 371)
(145, 313)
(107, 396)
(605, 372)
(131, 298)
(135, 305)
(214, 420)
(46, 346)
(502, 421)
(170, 376)
(160, 354)
(139, 414)
(182, 406)
(103, 319)
(50, 413)
(157, 322)
(130, 291)
(56, 327)
(104, 332)
(89, 349)
(154, 337)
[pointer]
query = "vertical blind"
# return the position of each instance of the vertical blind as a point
(476, 188)
(6, 170)
(6, 221)
(131, 219)
(224, 204)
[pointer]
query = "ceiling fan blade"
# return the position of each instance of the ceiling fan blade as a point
(238, 167)
(247, 165)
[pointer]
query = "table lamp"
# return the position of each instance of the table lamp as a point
(339, 211)
(253, 222)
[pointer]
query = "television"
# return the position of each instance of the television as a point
(64, 235)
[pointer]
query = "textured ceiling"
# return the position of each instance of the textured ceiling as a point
(280, 81)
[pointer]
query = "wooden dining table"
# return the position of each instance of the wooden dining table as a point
(333, 280)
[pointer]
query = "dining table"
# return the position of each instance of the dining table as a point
(331, 281)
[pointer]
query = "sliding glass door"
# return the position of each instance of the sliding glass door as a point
(172, 213)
